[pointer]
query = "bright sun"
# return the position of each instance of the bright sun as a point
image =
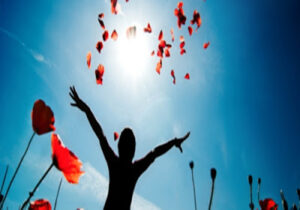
(133, 53)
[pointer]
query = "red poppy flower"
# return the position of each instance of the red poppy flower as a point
(105, 35)
(158, 66)
(187, 76)
(173, 75)
(88, 59)
(99, 74)
(116, 136)
(205, 45)
(148, 28)
(268, 204)
(65, 160)
(190, 30)
(114, 35)
(41, 204)
(42, 118)
(179, 13)
(196, 19)
(99, 46)
(172, 34)
(161, 35)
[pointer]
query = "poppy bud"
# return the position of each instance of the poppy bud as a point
(213, 173)
(250, 179)
(192, 165)
(259, 181)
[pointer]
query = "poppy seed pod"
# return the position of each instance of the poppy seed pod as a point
(192, 165)
(259, 180)
(250, 179)
(213, 173)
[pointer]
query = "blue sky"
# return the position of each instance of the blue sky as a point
(241, 104)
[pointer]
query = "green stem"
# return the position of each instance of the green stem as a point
(36, 186)
(212, 194)
(16, 171)
(4, 178)
(57, 193)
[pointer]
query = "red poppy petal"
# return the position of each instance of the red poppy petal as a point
(40, 204)
(161, 35)
(116, 136)
(152, 53)
(114, 35)
(114, 6)
(268, 204)
(158, 66)
(196, 19)
(180, 4)
(99, 72)
(190, 30)
(205, 45)
(181, 38)
(173, 75)
(65, 160)
(99, 46)
(179, 13)
(182, 51)
(187, 76)
(167, 52)
(101, 15)
(148, 28)
(88, 59)
(172, 34)
(105, 35)
(42, 118)
(182, 44)
(101, 23)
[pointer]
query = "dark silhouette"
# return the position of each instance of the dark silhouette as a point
(123, 173)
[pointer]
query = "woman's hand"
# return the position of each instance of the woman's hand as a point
(78, 102)
(178, 141)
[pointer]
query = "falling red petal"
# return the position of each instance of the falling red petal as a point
(99, 46)
(161, 35)
(148, 28)
(268, 204)
(105, 35)
(40, 204)
(88, 59)
(152, 53)
(187, 76)
(101, 23)
(114, 6)
(205, 45)
(116, 136)
(99, 74)
(181, 39)
(172, 34)
(42, 118)
(179, 13)
(180, 4)
(101, 15)
(190, 30)
(173, 75)
(114, 35)
(182, 51)
(167, 52)
(158, 66)
(65, 160)
(196, 19)
(182, 44)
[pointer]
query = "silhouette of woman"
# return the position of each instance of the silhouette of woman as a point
(123, 173)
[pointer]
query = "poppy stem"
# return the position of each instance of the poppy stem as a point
(4, 178)
(36, 186)
(194, 189)
(57, 193)
(16, 171)
(212, 194)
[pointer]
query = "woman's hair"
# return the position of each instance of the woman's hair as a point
(126, 145)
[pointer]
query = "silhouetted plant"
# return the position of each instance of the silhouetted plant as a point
(194, 189)
(283, 201)
(250, 180)
(213, 174)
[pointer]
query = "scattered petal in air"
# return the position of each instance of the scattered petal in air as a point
(181, 39)
(105, 35)
(187, 76)
(99, 46)
(65, 160)
(88, 59)
(182, 51)
(196, 19)
(158, 66)
(116, 136)
(268, 204)
(152, 53)
(173, 75)
(172, 34)
(190, 30)
(182, 44)
(161, 35)
(205, 45)
(114, 35)
(167, 52)
(131, 32)
(40, 204)
(179, 13)
(114, 6)
(42, 118)
(148, 28)
(101, 16)
(99, 74)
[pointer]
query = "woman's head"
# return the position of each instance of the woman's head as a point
(126, 145)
